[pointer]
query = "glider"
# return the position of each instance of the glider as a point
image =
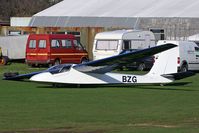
(164, 69)
(99, 71)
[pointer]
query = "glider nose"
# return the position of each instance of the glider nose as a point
(42, 77)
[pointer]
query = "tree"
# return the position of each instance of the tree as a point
(23, 8)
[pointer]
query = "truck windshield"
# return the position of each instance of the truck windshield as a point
(107, 45)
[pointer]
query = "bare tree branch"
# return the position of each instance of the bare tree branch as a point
(23, 8)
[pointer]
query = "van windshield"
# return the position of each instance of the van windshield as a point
(107, 45)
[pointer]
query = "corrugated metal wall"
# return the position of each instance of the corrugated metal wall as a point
(175, 28)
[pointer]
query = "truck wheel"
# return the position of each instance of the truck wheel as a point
(4, 60)
(141, 67)
(184, 68)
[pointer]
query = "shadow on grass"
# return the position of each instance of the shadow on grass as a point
(166, 87)
(178, 84)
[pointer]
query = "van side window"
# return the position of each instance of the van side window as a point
(32, 44)
(77, 45)
(55, 43)
(42, 43)
(66, 43)
(197, 51)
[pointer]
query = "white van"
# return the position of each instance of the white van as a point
(186, 54)
(114, 42)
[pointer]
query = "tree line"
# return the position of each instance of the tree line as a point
(23, 8)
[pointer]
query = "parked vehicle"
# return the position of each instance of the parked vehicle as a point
(116, 42)
(1, 59)
(54, 49)
(141, 64)
(186, 54)
(12, 48)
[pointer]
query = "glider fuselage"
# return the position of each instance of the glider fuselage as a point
(75, 77)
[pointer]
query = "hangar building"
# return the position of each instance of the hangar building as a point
(168, 19)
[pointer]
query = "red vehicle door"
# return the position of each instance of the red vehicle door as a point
(80, 54)
(42, 51)
(62, 50)
(31, 50)
(67, 50)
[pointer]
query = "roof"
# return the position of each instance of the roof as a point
(194, 37)
(52, 35)
(110, 13)
(117, 34)
(4, 23)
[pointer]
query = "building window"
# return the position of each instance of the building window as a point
(76, 34)
(158, 33)
(14, 33)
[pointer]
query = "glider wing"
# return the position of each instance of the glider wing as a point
(108, 64)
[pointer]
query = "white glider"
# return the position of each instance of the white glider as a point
(164, 69)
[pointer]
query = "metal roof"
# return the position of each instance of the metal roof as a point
(112, 13)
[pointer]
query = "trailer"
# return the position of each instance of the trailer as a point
(12, 48)
(116, 42)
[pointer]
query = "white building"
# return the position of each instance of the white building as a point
(168, 19)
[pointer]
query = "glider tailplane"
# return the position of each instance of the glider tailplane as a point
(178, 76)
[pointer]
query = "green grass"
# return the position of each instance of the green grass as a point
(32, 107)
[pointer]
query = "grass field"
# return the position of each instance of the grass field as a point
(32, 107)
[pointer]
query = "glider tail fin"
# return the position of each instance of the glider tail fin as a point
(165, 63)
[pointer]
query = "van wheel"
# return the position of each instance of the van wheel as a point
(57, 62)
(184, 68)
(141, 67)
(84, 60)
